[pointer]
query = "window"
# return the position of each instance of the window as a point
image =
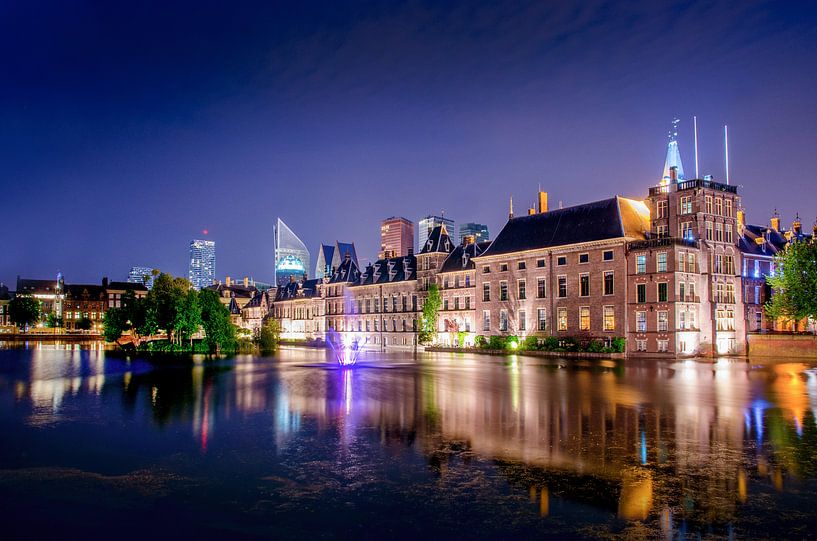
(719, 206)
(584, 285)
(541, 288)
(540, 263)
(584, 318)
(663, 321)
(730, 293)
(641, 264)
(608, 283)
(709, 235)
(503, 290)
(725, 320)
(503, 320)
(661, 209)
(467, 280)
(727, 233)
(708, 204)
(561, 319)
(457, 281)
(685, 230)
(467, 303)
(445, 282)
(521, 290)
(641, 293)
(691, 263)
(641, 345)
(663, 346)
(561, 260)
(609, 318)
(584, 258)
(662, 291)
(682, 260)
(681, 291)
(686, 204)
(662, 262)
(523, 325)
(757, 294)
(486, 269)
(486, 320)
(503, 267)
(562, 281)
(718, 232)
(520, 265)
(607, 255)
(445, 304)
(541, 319)
(641, 321)
(727, 206)
(486, 292)
(662, 231)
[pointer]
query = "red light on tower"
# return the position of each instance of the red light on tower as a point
(205, 231)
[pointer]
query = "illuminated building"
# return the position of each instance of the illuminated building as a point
(478, 231)
(396, 237)
(291, 255)
(141, 275)
(202, 268)
(84, 301)
(426, 225)
(50, 293)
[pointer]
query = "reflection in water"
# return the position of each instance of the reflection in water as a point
(678, 445)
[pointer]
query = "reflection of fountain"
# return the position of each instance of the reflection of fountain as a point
(346, 348)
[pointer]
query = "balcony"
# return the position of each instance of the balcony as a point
(692, 184)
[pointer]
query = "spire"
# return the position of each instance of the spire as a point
(510, 214)
(673, 156)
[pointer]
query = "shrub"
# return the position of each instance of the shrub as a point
(480, 341)
(618, 345)
(531, 343)
(497, 342)
(594, 346)
(550, 343)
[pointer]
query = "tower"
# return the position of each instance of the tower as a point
(673, 158)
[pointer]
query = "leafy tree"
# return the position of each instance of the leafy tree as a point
(215, 317)
(187, 317)
(84, 324)
(53, 321)
(113, 324)
(165, 298)
(24, 310)
(795, 283)
(269, 335)
(431, 308)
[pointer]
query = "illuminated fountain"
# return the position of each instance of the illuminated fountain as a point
(345, 348)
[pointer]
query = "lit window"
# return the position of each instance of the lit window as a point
(663, 321)
(641, 321)
(662, 262)
(584, 318)
(541, 316)
(641, 264)
(609, 318)
(561, 319)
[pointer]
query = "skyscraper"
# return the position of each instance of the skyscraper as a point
(396, 237)
(291, 255)
(426, 225)
(330, 257)
(478, 231)
(202, 269)
(141, 275)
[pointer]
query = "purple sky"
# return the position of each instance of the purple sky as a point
(127, 130)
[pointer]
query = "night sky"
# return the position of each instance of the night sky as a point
(127, 130)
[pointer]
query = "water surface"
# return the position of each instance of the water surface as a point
(441, 445)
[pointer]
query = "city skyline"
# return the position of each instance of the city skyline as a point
(405, 129)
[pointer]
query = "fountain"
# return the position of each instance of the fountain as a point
(345, 348)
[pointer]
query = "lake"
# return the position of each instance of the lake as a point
(453, 446)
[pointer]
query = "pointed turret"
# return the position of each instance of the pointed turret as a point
(673, 157)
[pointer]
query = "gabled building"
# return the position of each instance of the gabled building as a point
(330, 257)
(254, 312)
(50, 293)
(298, 306)
(458, 291)
(84, 301)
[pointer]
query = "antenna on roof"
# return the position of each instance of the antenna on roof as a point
(510, 214)
(726, 150)
(695, 129)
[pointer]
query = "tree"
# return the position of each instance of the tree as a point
(84, 324)
(215, 318)
(794, 283)
(113, 324)
(165, 298)
(24, 310)
(431, 308)
(187, 317)
(269, 335)
(53, 321)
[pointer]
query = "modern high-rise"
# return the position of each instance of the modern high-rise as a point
(396, 237)
(478, 231)
(202, 269)
(291, 255)
(330, 257)
(141, 275)
(426, 225)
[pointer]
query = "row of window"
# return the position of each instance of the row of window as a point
(607, 287)
(456, 304)
(447, 282)
(582, 258)
(608, 319)
(373, 305)
(718, 206)
(375, 325)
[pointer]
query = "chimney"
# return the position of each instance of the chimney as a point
(797, 225)
(531, 211)
(510, 213)
(227, 281)
(104, 281)
(775, 221)
(543, 202)
(673, 173)
(411, 250)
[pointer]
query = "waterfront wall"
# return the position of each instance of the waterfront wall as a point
(783, 345)
(529, 353)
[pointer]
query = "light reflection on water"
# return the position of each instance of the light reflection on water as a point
(583, 448)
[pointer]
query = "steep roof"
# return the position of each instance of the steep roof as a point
(234, 309)
(773, 241)
(438, 241)
(32, 286)
(125, 286)
(394, 269)
(292, 290)
(346, 272)
(78, 291)
(462, 257)
(600, 220)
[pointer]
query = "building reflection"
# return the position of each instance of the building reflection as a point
(675, 443)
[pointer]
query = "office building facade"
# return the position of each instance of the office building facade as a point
(202, 268)
(396, 237)
(427, 224)
(291, 256)
(478, 232)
